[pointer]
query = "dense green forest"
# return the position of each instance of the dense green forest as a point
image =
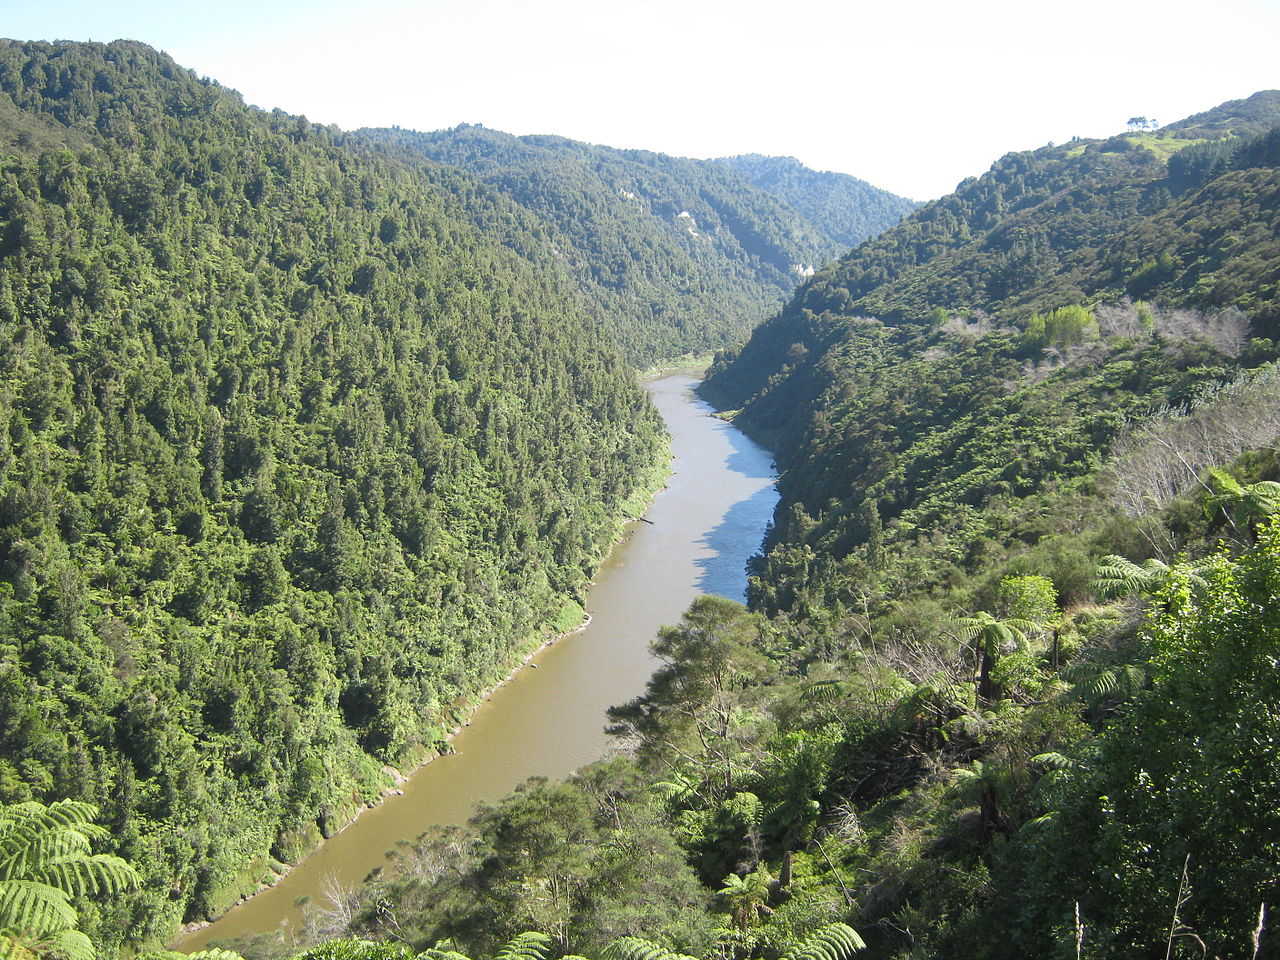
(676, 256)
(305, 436)
(1006, 685)
(846, 209)
(294, 461)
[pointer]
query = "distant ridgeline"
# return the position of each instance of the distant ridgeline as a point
(844, 208)
(293, 458)
(677, 256)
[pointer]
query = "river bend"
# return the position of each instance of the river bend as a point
(548, 719)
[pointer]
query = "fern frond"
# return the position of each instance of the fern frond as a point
(32, 834)
(823, 691)
(1124, 679)
(530, 945)
(213, 953)
(637, 948)
(1223, 483)
(354, 949)
(28, 849)
(86, 875)
(12, 948)
(1117, 576)
(30, 905)
(435, 953)
(1052, 761)
(67, 945)
(60, 813)
(834, 941)
(975, 771)
(1042, 820)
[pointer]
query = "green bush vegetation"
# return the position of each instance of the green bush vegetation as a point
(294, 458)
(294, 462)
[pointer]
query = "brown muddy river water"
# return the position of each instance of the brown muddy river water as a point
(549, 720)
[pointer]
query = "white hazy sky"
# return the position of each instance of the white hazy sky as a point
(912, 95)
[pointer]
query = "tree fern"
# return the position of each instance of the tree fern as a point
(993, 637)
(1117, 576)
(834, 941)
(45, 861)
(355, 949)
(1241, 504)
(636, 948)
(530, 945)
(747, 897)
(439, 953)
(1094, 682)
(213, 953)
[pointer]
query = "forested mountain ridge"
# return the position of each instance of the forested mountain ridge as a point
(678, 255)
(1007, 685)
(846, 209)
(993, 419)
(1089, 220)
(938, 379)
(294, 461)
(288, 445)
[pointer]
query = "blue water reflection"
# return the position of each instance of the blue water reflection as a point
(739, 533)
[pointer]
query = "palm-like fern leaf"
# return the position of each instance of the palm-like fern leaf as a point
(1117, 576)
(678, 789)
(823, 691)
(31, 905)
(834, 941)
(354, 949)
(88, 875)
(213, 953)
(11, 948)
(436, 953)
(994, 634)
(1052, 761)
(1240, 502)
(637, 948)
(1094, 682)
(64, 944)
(530, 945)
(45, 860)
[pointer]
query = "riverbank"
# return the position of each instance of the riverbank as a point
(690, 364)
(652, 482)
(397, 777)
(546, 717)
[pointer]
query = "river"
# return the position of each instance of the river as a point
(548, 719)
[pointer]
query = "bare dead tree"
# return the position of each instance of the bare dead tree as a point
(1162, 458)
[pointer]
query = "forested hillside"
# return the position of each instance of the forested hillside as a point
(305, 435)
(1006, 688)
(294, 462)
(844, 208)
(678, 256)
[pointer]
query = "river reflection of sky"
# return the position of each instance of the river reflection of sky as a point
(740, 532)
